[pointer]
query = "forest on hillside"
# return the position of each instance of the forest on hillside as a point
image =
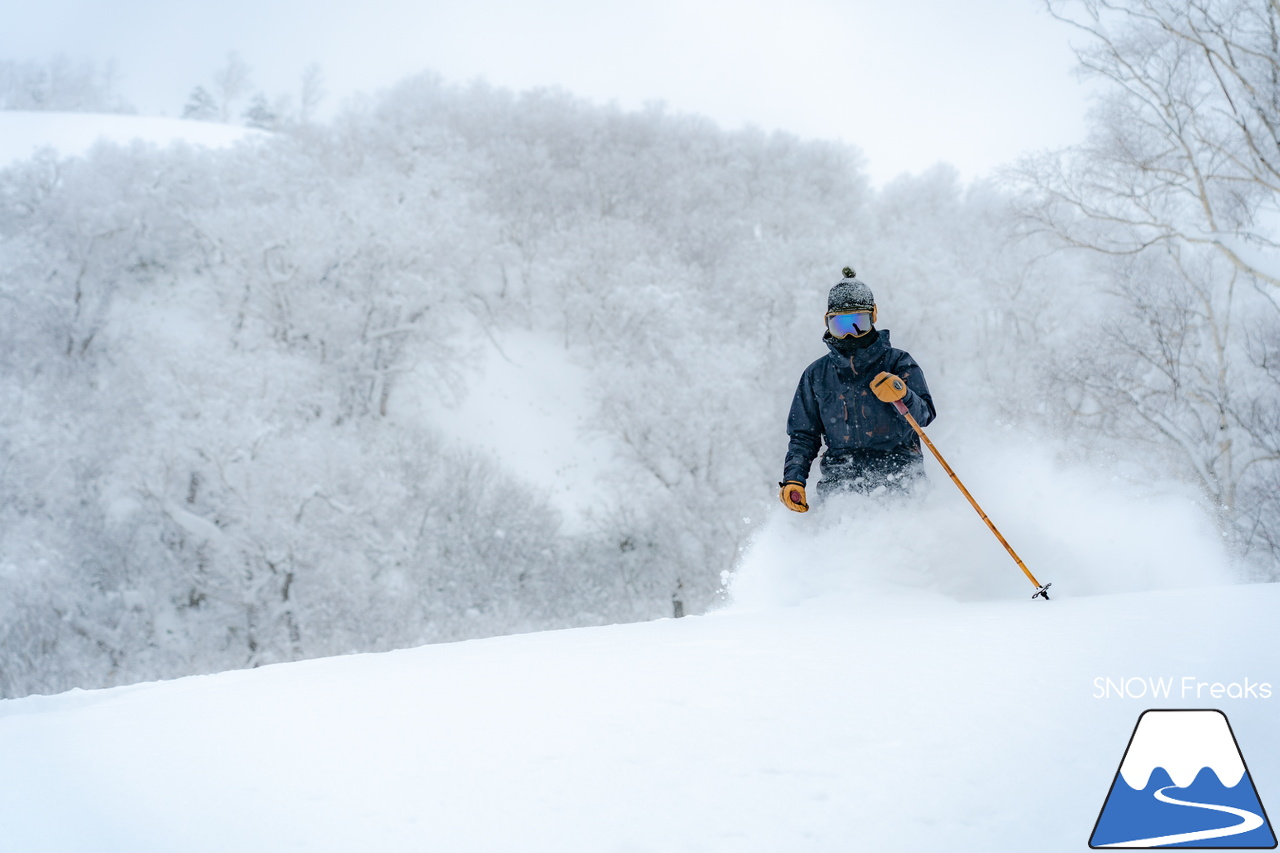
(209, 457)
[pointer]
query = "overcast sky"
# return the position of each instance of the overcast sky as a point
(973, 83)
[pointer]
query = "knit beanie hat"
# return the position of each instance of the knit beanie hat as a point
(850, 294)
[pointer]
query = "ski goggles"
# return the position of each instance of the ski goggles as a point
(854, 323)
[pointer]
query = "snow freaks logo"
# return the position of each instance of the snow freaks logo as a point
(1183, 783)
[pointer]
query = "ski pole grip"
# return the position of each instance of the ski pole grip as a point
(900, 406)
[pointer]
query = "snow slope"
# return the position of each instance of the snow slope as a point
(853, 711)
(880, 681)
(71, 134)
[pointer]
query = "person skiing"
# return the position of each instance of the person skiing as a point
(845, 399)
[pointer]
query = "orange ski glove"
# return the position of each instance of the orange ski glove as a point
(888, 387)
(792, 496)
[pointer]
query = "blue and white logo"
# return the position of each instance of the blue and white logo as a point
(1183, 783)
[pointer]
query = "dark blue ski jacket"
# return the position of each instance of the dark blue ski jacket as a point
(834, 403)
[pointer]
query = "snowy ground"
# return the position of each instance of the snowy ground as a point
(904, 703)
(71, 134)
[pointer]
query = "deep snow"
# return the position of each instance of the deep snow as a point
(863, 705)
(879, 680)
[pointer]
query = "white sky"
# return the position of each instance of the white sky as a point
(911, 83)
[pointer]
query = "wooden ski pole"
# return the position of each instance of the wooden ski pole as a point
(1041, 591)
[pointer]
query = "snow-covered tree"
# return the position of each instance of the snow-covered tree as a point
(1185, 141)
(311, 93)
(231, 84)
(1174, 194)
(60, 84)
(200, 105)
(260, 114)
(218, 368)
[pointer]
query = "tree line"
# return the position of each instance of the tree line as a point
(213, 363)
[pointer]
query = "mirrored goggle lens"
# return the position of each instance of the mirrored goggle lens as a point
(854, 323)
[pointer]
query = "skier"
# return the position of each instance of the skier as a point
(846, 398)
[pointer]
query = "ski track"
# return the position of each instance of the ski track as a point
(1249, 821)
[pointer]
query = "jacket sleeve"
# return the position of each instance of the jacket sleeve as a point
(804, 426)
(918, 400)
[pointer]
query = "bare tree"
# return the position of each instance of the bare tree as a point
(1186, 144)
(231, 83)
(312, 93)
(1176, 188)
(1171, 368)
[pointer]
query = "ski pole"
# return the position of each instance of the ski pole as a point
(1041, 591)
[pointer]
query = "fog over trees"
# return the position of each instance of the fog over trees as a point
(212, 362)
(60, 84)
